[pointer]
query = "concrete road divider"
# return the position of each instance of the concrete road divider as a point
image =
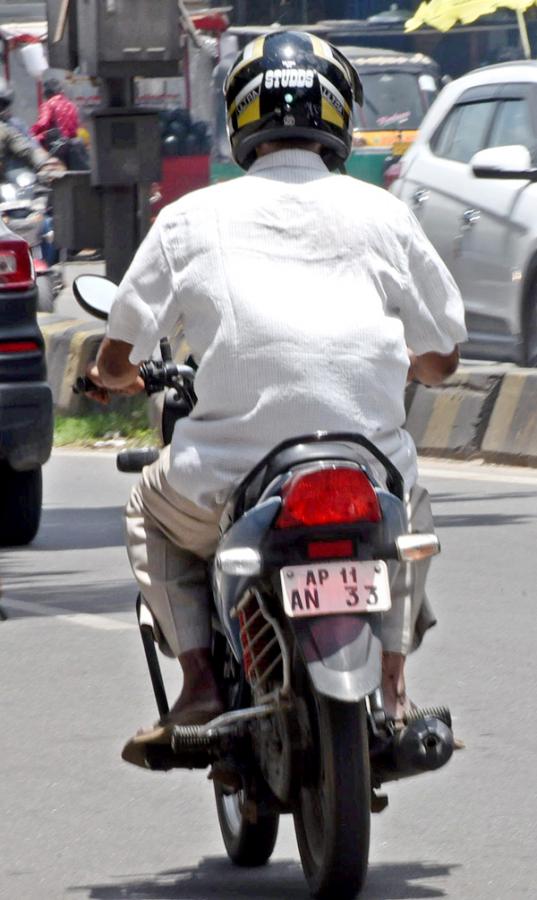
(70, 344)
(487, 412)
(451, 419)
(511, 435)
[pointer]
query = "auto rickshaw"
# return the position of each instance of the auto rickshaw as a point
(399, 88)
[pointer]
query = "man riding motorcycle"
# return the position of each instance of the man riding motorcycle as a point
(308, 299)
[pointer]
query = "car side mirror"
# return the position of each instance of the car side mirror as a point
(512, 162)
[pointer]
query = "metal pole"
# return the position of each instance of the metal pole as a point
(523, 29)
(122, 225)
(120, 229)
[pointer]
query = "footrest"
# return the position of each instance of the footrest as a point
(162, 758)
(429, 712)
(191, 738)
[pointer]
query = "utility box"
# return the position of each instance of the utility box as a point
(123, 38)
(78, 213)
(62, 37)
(124, 146)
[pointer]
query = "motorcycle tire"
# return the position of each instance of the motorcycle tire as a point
(20, 509)
(45, 294)
(333, 808)
(248, 844)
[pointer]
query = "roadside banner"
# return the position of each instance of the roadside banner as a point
(444, 14)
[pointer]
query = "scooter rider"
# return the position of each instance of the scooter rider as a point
(15, 144)
(300, 293)
(7, 96)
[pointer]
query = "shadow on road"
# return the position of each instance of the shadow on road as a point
(215, 879)
(80, 529)
(99, 599)
(471, 519)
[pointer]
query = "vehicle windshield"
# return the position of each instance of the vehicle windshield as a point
(394, 100)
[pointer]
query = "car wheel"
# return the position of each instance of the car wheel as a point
(530, 329)
(20, 505)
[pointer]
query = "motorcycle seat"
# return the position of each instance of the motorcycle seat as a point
(301, 454)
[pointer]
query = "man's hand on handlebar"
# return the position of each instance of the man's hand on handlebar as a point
(102, 394)
(432, 368)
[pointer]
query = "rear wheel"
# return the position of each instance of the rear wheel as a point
(247, 843)
(332, 812)
(20, 505)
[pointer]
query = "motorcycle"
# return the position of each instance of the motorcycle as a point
(25, 209)
(299, 584)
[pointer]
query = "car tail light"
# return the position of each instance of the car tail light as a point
(391, 174)
(18, 346)
(328, 497)
(16, 266)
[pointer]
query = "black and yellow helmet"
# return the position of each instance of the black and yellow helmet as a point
(291, 85)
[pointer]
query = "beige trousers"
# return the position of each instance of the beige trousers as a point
(170, 539)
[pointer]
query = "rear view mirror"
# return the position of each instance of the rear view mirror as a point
(504, 162)
(95, 294)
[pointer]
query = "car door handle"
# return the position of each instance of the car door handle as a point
(470, 217)
(420, 196)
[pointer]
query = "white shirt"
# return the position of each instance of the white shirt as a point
(298, 292)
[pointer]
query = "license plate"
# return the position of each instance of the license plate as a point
(343, 587)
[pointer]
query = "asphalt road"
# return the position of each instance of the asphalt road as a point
(76, 822)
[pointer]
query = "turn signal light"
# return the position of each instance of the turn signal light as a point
(330, 496)
(16, 266)
(413, 547)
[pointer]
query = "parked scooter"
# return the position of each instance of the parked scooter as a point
(25, 209)
(300, 581)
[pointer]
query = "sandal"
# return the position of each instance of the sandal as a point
(160, 735)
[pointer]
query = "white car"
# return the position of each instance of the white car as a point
(485, 229)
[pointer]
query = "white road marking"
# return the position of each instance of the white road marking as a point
(475, 471)
(86, 620)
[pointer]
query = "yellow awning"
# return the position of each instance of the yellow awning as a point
(444, 14)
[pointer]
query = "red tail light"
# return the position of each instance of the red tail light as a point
(328, 497)
(16, 266)
(330, 549)
(18, 346)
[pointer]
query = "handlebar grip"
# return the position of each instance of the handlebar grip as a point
(83, 384)
(135, 460)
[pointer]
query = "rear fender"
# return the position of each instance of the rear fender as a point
(343, 654)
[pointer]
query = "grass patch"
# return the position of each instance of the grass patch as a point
(85, 430)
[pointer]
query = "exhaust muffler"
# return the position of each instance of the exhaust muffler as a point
(425, 743)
